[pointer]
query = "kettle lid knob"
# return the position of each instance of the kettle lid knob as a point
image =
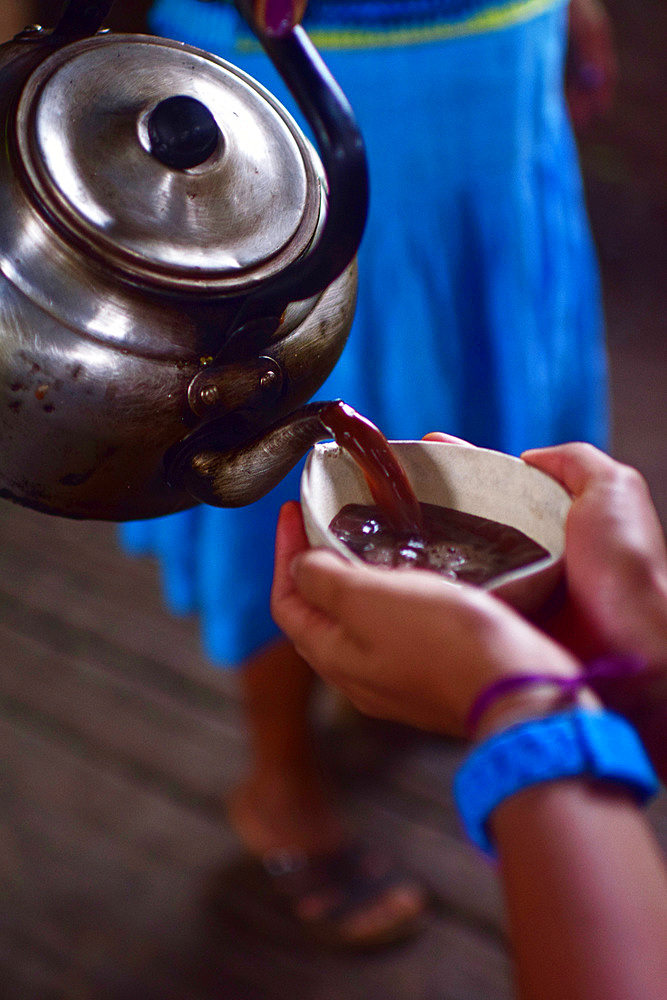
(170, 165)
(182, 132)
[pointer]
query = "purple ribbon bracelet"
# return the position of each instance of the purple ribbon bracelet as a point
(605, 667)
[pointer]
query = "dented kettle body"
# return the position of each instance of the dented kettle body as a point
(141, 301)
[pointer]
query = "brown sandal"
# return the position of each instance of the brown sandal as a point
(325, 893)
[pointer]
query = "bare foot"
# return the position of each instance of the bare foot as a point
(269, 813)
(343, 896)
(286, 816)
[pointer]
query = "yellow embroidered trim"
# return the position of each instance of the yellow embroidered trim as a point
(487, 21)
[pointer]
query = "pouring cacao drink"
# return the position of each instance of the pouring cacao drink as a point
(386, 478)
(161, 364)
(399, 531)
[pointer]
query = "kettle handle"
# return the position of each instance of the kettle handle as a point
(80, 19)
(343, 156)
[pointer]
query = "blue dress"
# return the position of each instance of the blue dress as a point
(479, 303)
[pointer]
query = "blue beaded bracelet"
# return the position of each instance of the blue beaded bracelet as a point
(577, 743)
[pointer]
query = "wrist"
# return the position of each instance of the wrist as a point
(638, 691)
(575, 745)
(636, 617)
(535, 702)
(558, 683)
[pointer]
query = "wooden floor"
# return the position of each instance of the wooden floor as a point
(119, 878)
(117, 870)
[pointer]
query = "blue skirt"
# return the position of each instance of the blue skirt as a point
(479, 302)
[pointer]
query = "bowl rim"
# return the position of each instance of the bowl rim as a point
(505, 581)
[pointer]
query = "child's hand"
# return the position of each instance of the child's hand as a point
(591, 65)
(615, 556)
(404, 644)
(616, 567)
(273, 17)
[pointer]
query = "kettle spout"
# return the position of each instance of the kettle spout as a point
(215, 470)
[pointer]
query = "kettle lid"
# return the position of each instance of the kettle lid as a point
(172, 164)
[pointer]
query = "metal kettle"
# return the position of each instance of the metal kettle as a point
(177, 268)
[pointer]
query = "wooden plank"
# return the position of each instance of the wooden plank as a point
(448, 960)
(410, 824)
(43, 777)
(74, 570)
(105, 642)
(113, 876)
(150, 735)
(106, 877)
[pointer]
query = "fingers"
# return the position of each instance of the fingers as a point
(574, 465)
(274, 17)
(321, 601)
(316, 635)
(369, 601)
(290, 541)
(333, 609)
(592, 65)
(325, 579)
(447, 438)
(351, 597)
(290, 612)
(613, 525)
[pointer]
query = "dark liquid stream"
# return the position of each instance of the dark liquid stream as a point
(399, 531)
(385, 475)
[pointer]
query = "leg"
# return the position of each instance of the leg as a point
(284, 802)
(345, 897)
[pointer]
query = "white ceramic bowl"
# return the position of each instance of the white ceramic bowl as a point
(475, 480)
